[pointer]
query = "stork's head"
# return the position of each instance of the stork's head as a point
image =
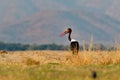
(68, 30)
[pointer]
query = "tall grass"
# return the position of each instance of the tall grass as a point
(59, 65)
(60, 57)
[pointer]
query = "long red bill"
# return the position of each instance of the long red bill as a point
(62, 34)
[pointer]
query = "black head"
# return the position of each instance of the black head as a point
(68, 30)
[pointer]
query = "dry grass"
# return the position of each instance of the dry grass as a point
(59, 65)
(60, 57)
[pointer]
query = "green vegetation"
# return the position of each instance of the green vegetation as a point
(19, 46)
(59, 72)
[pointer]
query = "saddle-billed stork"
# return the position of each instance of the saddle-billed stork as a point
(74, 45)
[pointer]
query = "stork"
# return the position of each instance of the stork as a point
(74, 45)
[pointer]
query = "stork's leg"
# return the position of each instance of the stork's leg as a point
(75, 51)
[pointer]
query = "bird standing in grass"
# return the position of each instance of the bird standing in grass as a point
(74, 45)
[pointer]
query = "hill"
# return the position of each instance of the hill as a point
(41, 22)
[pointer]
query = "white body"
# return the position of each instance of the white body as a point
(73, 40)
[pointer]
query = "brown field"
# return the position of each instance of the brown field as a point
(60, 57)
(59, 65)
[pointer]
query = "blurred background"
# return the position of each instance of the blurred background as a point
(41, 21)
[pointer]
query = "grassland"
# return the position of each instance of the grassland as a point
(59, 65)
